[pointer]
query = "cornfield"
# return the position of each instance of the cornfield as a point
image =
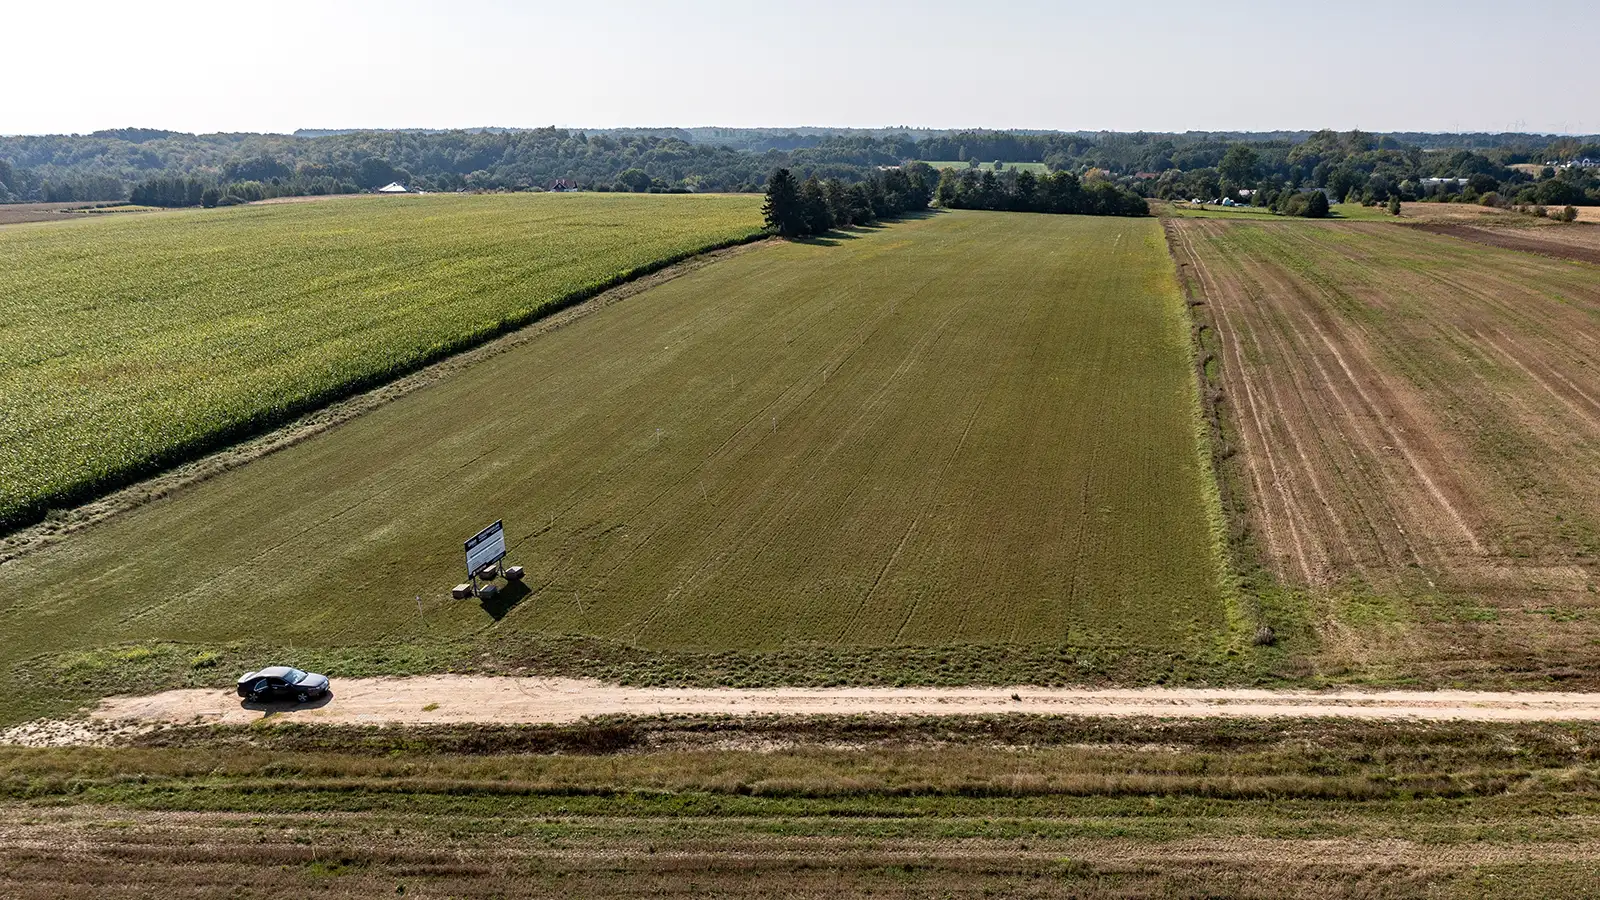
(133, 343)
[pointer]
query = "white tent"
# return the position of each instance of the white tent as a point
(393, 187)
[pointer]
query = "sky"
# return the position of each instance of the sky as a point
(74, 66)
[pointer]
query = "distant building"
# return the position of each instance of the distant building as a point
(562, 185)
(394, 187)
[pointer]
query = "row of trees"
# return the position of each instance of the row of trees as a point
(1058, 192)
(202, 190)
(797, 209)
(1372, 168)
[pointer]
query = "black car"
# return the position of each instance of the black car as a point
(282, 683)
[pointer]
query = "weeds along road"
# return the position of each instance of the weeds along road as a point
(440, 699)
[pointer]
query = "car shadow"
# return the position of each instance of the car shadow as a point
(270, 708)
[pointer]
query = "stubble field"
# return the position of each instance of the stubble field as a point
(133, 342)
(1417, 420)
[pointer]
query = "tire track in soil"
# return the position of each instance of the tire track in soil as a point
(872, 409)
(1313, 406)
(1378, 410)
(1391, 404)
(1362, 401)
(1259, 445)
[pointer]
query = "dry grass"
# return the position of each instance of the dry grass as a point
(1016, 806)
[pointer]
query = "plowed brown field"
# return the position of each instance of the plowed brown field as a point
(1577, 242)
(1418, 426)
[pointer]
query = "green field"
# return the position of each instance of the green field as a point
(974, 429)
(131, 342)
(1037, 168)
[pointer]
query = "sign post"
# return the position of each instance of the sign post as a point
(484, 549)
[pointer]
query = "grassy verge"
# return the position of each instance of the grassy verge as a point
(1011, 805)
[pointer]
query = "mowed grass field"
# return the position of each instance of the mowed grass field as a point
(968, 428)
(1418, 420)
(132, 342)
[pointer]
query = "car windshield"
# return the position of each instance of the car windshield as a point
(294, 676)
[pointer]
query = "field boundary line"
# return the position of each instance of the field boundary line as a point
(1209, 293)
(558, 314)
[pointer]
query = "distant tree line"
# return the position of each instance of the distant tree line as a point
(798, 209)
(172, 191)
(1058, 192)
(1358, 166)
(202, 190)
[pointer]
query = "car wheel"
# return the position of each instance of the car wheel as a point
(301, 697)
(252, 696)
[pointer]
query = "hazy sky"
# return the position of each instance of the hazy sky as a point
(1168, 65)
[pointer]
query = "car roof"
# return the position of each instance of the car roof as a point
(274, 672)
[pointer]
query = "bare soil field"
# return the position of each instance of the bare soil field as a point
(1417, 421)
(1580, 242)
(1466, 213)
(22, 213)
(1475, 214)
(449, 699)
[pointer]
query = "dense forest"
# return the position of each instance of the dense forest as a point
(172, 168)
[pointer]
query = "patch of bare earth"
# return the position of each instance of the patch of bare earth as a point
(1419, 433)
(23, 213)
(1579, 242)
(1467, 214)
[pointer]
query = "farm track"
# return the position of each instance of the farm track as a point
(448, 699)
(1418, 415)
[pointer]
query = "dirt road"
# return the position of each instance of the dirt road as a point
(438, 699)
